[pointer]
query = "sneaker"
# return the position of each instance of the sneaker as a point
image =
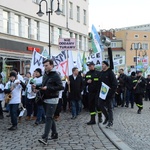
(28, 118)
(54, 136)
(43, 141)
(12, 128)
(109, 125)
(73, 117)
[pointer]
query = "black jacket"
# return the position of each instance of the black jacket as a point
(140, 87)
(54, 85)
(94, 76)
(108, 77)
(76, 87)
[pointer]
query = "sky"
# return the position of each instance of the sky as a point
(111, 14)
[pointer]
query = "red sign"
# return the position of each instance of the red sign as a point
(29, 48)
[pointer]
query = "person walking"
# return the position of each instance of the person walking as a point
(1, 97)
(51, 85)
(75, 87)
(108, 77)
(14, 86)
(92, 84)
(138, 89)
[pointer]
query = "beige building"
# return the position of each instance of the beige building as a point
(139, 42)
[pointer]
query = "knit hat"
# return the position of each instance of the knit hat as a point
(105, 62)
(132, 73)
(13, 74)
(39, 70)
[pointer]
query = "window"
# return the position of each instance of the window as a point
(78, 13)
(70, 10)
(80, 42)
(117, 55)
(5, 22)
(59, 33)
(84, 17)
(27, 27)
(84, 43)
(17, 25)
(36, 30)
(145, 46)
(71, 34)
(136, 35)
(145, 36)
(52, 34)
(113, 44)
(63, 7)
(76, 37)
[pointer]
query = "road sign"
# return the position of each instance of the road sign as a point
(67, 43)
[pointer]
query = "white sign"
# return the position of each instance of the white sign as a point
(96, 58)
(119, 61)
(104, 91)
(67, 43)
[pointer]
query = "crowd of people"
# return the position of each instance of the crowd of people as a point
(45, 95)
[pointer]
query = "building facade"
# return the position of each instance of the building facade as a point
(22, 30)
(136, 45)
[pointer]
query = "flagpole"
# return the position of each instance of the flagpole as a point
(68, 73)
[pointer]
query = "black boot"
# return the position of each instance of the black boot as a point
(54, 136)
(139, 111)
(92, 121)
(105, 122)
(100, 120)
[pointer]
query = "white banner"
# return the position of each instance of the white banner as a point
(36, 62)
(119, 61)
(104, 91)
(96, 58)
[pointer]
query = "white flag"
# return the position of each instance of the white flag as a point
(104, 91)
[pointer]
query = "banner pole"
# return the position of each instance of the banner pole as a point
(68, 72)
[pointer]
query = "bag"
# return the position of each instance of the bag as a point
(39, 97)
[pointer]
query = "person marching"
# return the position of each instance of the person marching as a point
(14, 87)
(138, 89)
(92, 83)
(1, 97)
(107, 77)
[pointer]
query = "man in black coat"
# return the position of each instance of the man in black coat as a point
(107, 76)
(75, 87)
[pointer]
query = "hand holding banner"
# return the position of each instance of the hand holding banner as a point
(104, 91)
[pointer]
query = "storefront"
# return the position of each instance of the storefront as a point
(15, 54)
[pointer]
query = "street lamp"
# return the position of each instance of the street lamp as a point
(137, 46)
(48, 12)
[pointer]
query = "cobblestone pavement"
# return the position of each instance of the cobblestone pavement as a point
(73, 135)
(133, 128)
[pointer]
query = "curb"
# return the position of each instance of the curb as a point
(113, 138)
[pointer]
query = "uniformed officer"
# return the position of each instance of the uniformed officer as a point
(92, 83)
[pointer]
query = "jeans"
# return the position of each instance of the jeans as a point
(129, 98)
(1, 110)
(14, 113)
(50, 122)
(40, 113)
(76, 107)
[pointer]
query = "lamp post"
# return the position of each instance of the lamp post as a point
(137, 46)
(49, 12)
